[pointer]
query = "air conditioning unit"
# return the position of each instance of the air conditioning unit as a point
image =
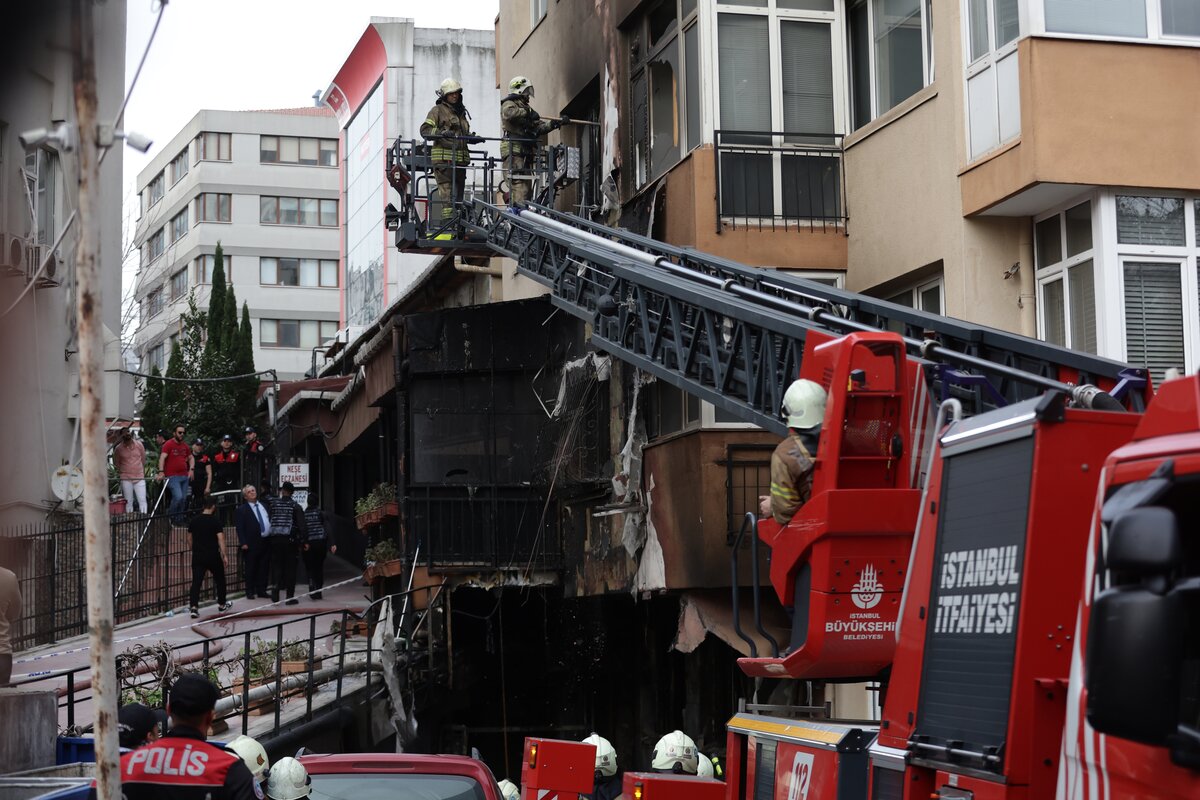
(12, 255)
(34, 253)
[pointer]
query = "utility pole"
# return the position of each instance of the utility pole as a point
(88, 307)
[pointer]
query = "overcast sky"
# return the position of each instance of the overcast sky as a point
(246, 54)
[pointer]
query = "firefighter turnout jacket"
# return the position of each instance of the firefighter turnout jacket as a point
(791, 478)
(521, 124)
(454, 123)
(183, 766)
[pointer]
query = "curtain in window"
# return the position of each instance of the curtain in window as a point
(1054, 322)
(806, 56)
(1150, 220)
(1153, 317)
(1082, 289)
(744, 54)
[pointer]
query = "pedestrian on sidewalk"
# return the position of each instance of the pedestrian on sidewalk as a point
(202, 474)
(320, 527)
(129, 458)
(175, 463)
(10, 612)
(286, 535)
(253, 522)
(154, 772)
(208, 555)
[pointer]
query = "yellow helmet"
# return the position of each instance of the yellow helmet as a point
(521, 85)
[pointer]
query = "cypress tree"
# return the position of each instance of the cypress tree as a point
(174, 396)
(244, 365)
(152, 405)
(216, 307)
(231, 343)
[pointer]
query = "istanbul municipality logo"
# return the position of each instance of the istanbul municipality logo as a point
(868, 591)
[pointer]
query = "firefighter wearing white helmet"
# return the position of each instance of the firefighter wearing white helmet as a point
(792, 462)
(288, 780)
(522, 126)
(607, 784)
(253, 754)
(447, 127)
(675, 752)
(704, 767)
(509, 790)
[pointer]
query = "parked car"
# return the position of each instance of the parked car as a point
(383, 776)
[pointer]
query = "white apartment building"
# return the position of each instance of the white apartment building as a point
(264, 185)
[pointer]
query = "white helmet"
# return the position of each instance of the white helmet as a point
(509, 790)
(606, 755)
(449, 86)
(253, 754)
(675, 752)
(288, 780)
(804, 405)
(704, 767)
(521, 85)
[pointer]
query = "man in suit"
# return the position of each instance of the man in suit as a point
(253, 521)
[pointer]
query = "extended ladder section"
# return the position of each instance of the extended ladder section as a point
(735, 335)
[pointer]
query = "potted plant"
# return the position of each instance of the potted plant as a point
(383, 560)
(258, 669)
(376, 506)
(295, 658)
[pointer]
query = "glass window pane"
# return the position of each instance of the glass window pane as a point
(1082, 287)
(268, 148)
(267, 332)
(223, 202)
(899, 72)
(904, 298)
(308, 211)
(931, 300)
(1049, 242)
(660, 21)
(308, 272)
(267, 272)
(308, 333)
(329, 152)
(1181, 17)
(1153, 317)
(289, 150)
(860, 63)
(328, 330)
(289, 210)
(753, 3)
(225, 140)
(687, 7)
(977, 23)
(1054, 322)
(1104, 17)
(268, 209)
(308, 151)
(691, 45)
(806, 58)
(806, 5)
(1150, 220)
(329, 275)
(664, 108)
(289, 333)
(1008, 22)
(745, 72)
(329, 212)
(1079, 229)
(289, 272)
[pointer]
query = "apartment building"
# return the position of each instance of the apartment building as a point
(38, 236)
(1025, 164)
(263, 185)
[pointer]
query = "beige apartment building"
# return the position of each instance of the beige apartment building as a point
(1026, 164)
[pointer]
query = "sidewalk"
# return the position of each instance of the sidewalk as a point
(178, 628)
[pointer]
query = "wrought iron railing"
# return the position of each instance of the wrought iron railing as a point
(772, 180)
(484, 527)
(747, 477)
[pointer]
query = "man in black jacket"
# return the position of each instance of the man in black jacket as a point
(182, 765)
(253, 521)
(287, 533)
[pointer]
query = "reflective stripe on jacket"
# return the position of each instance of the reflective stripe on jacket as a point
(442, 119)
(791, 478)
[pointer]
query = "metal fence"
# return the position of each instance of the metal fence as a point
(152, 573)
(487, 527)
(771, 180)
(747, 477)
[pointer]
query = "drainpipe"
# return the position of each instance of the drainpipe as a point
(1027, 280)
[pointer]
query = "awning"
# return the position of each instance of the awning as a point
(705, 611)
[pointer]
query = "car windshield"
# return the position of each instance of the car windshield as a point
(395, 786)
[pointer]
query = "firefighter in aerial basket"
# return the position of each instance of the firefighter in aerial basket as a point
(792, 462)
(522, 127)
(447, 127)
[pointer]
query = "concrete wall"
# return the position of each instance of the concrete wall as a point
(243, 239)
(27, 738)
(39, 362)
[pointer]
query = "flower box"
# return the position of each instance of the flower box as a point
(384, 569)
(299, 667)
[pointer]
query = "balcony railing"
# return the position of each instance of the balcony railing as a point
(778, 180)
(484, 527)
(747, 477)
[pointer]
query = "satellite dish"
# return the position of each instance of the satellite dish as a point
(67, 483)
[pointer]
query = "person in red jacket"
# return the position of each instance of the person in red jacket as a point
(182, 765)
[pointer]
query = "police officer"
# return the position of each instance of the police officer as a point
(448, 127)
(202, 473)
(607, 785)
(320, 529)
(227, 471)
(522, 127)
(254, 456)
(286, 532)
(793, 460)
(182, 765)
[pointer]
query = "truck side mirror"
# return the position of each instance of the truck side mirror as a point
(1135, 633)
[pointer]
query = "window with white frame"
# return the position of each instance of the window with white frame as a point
(923, 296)
(781, 105)
(213, 147)
(537, 10)
(310, 272)
(993, 89)
(211, 207)
(179, 167)
(179, 284)
(1066, 275)
(179, 225)
(891, 54)
(295, 332)
(41, 181)
(1127, 19)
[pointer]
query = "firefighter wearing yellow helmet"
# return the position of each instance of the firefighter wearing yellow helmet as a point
(447, 127)
(607, 785)
(522, 126)
(675, 752)
(792, 462)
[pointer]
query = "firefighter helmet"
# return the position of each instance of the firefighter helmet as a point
(675, 752)
(449, 86)
(521, 85)
(704, 767)
(804, 405)
(253, 754)
(606, 756)
(509, 790)
(288, 780)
